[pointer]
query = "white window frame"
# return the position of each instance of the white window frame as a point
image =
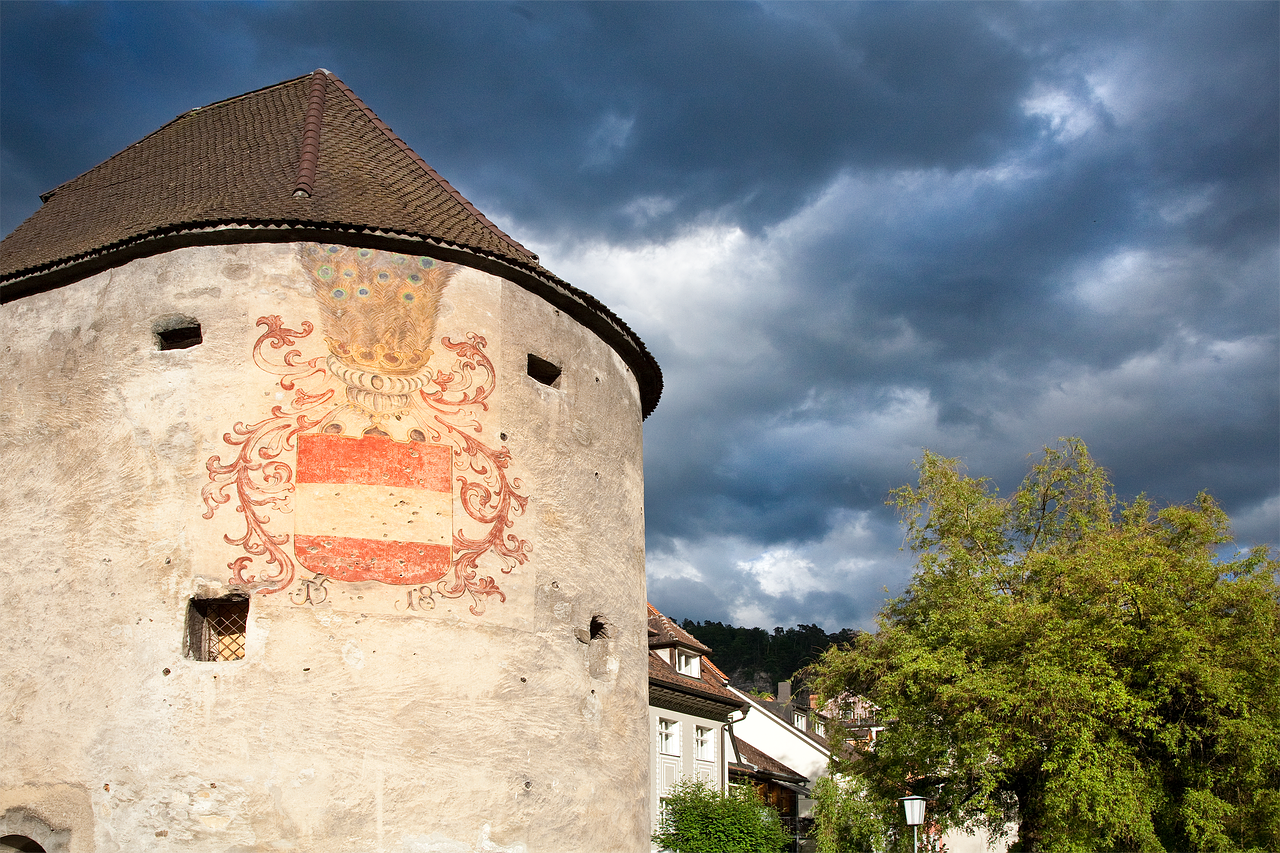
(688, 663)
(801, 721)
(669, 737)
(819, 728)
(704, 744)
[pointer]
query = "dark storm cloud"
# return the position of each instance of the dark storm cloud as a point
(983, 280)
(573, 116)
(847, 231)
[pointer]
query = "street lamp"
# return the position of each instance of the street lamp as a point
(914, 807)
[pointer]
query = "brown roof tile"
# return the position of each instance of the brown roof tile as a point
(718, 676)
(710, 683)
(299, 160)
(668, 633)
(661, 672)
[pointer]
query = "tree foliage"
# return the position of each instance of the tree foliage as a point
(756, 658)
(1087, 669)
(844, 818)
(699, 818)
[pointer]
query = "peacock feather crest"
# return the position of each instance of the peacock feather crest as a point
(379, 307)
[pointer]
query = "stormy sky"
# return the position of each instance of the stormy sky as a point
(846, 231)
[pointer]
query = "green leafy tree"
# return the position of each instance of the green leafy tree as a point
(1084, 668)
(844, 817)
(745, 654)
(699, 818)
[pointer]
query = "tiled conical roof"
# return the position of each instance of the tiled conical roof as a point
(300, 160)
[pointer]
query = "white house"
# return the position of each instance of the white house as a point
(689, 707)
(787, 730)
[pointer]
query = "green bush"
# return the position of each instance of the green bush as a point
(699, 818)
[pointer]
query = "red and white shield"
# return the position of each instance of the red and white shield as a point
(373, 509)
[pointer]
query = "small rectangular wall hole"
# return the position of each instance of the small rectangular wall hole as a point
(182, 336)
(216, 628)
(544, 371)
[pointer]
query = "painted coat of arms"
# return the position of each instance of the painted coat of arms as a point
(373, 445)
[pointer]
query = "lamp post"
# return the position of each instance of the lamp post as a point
(914, 807)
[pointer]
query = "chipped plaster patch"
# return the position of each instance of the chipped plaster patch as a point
(352, 656)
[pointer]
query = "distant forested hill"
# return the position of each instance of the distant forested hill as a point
(755, 659)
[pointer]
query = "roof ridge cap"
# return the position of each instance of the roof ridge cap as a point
(312, 125)
(448, 187)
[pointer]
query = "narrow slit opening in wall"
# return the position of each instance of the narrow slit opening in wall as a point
(216, 628)
(544, 371)
(182, 336)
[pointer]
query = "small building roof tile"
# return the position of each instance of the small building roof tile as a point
(765, 763)
(710, 683)
(668, 633)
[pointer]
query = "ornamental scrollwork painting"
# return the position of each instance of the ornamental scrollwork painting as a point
(372, 448)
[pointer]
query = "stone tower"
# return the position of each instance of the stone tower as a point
(322, 520)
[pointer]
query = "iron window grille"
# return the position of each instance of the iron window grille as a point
(216, 628)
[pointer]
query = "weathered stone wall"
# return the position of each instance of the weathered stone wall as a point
(492, 699)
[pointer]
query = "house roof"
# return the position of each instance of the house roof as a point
(663, 673)
(707, 693)
(668, 633)
(782, 712)
(301, 160)
(764, 764)
(718, 674)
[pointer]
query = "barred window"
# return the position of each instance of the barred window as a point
(216, 628)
